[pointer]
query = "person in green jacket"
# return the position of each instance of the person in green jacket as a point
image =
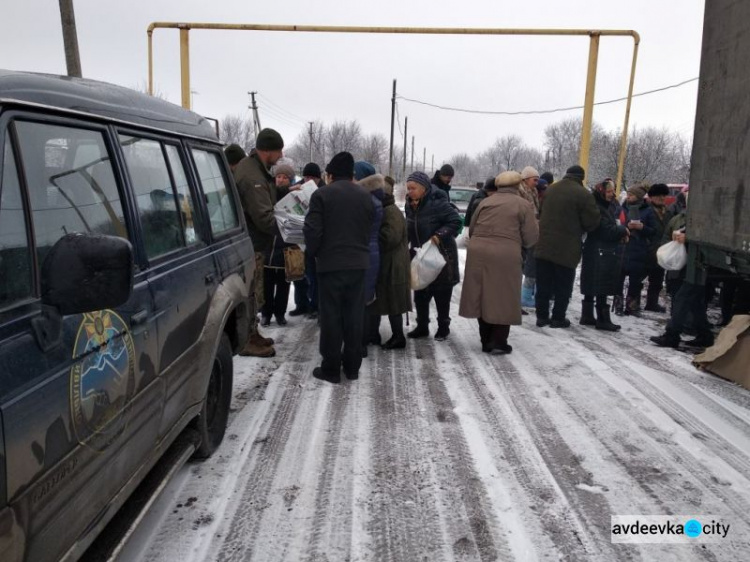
(569, 211)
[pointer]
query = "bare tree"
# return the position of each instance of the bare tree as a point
(303, 146)
(375, 151)
(237, 129)
(344, 136)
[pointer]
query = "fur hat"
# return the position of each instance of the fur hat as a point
(658, 189)
(268, 139)
(234, 154)
(284, 169)
(311, 169)
(341, 166)
(363, 169)
(390, 183)
(447, 170)
(529, 172)
(373, 182)
(511, 178)
(576, 172)
(421, 178)
(639, 190)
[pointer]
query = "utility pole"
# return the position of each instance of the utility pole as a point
(311, 140)
(412, 154)
(424, 160)
(70, 38)
(432, 168)
(393, 118)
(256, 117)
(406, 141)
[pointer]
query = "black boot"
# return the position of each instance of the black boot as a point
(421, 331)
(652, 303)
(617, 305)
(668, 339)
(633, 306)
(587, 314)
(603, 320)
(443, 331)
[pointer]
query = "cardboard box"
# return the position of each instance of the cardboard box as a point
(729, 357)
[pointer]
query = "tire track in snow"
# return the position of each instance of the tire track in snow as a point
(486, 531)
(241, 537)
(590, 511)
(404, 522)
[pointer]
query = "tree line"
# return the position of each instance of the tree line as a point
(654, 154)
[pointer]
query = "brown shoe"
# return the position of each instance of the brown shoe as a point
(253, 349)
(258, 339)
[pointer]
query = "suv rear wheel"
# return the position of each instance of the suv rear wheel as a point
(211, 423)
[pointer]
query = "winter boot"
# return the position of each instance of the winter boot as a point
(420, 331)
(603, 319)
(633, 306)
(617, 306)
(701, 340)
(256, 348)
(587, 314)
(652, 304)
(258, 338)
(668, 339)
(527, 297)
(443, 331)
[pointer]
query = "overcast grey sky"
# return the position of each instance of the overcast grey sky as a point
(303, 77)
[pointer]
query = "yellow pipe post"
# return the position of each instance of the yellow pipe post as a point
(624, 137)
(593, 54)
(185, 66)
(150, 62)
(588, 104)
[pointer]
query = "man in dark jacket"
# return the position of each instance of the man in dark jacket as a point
(568, 212)
(258, 192)
(443, 177)
(656, 195)
(337, 234)
(477, 198)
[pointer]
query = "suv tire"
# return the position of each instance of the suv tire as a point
(211, 423)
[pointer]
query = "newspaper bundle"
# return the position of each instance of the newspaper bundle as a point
(290, 213)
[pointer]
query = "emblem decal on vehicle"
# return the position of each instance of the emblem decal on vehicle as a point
(102, 380)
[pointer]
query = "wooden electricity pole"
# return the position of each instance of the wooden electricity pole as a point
(70, 38)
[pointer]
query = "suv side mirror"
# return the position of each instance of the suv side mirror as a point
(86, 272)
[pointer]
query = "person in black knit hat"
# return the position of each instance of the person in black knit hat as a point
(443, 177)
(656, 196)
(337, 234)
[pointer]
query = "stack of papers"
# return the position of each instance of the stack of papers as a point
(290, 213)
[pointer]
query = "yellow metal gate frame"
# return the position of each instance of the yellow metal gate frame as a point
(588, 111)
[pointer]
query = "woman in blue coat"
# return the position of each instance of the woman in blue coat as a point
(431, 218)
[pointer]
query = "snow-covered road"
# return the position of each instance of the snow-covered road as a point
(442, 453)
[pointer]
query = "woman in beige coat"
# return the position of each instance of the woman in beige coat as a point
(501, 225)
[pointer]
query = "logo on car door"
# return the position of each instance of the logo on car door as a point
(102, 380)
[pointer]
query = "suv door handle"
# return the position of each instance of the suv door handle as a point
(139, 317)
(210, 279)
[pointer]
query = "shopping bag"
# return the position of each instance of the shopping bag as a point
(294, 263)
(426, 266)
(672, 256)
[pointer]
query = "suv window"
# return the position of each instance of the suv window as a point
(15, 257)
(154, 194)
(72, 187)
(183, 193)
(220, 203)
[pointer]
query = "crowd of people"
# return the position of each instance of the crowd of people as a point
(527, 235)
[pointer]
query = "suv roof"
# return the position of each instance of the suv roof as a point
(101, 99)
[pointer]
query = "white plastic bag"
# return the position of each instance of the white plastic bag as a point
(672, 256)
(426, 266)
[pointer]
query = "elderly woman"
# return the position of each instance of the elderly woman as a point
(502, 225)
(601, 261)
(392, 294)
(431, 218)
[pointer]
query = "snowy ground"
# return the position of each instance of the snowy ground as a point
(442, 453)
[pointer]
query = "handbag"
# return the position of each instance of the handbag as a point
(294, 263)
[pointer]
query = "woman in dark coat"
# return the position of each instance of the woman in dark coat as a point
(601, 260)
(431, 218)
(640, 220)
(392, 293)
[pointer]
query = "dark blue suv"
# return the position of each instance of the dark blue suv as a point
(125, 267)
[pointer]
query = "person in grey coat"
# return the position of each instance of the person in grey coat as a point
(337, 234)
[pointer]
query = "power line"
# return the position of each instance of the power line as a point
(281, 109)
(398, 122)
(543, 111)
